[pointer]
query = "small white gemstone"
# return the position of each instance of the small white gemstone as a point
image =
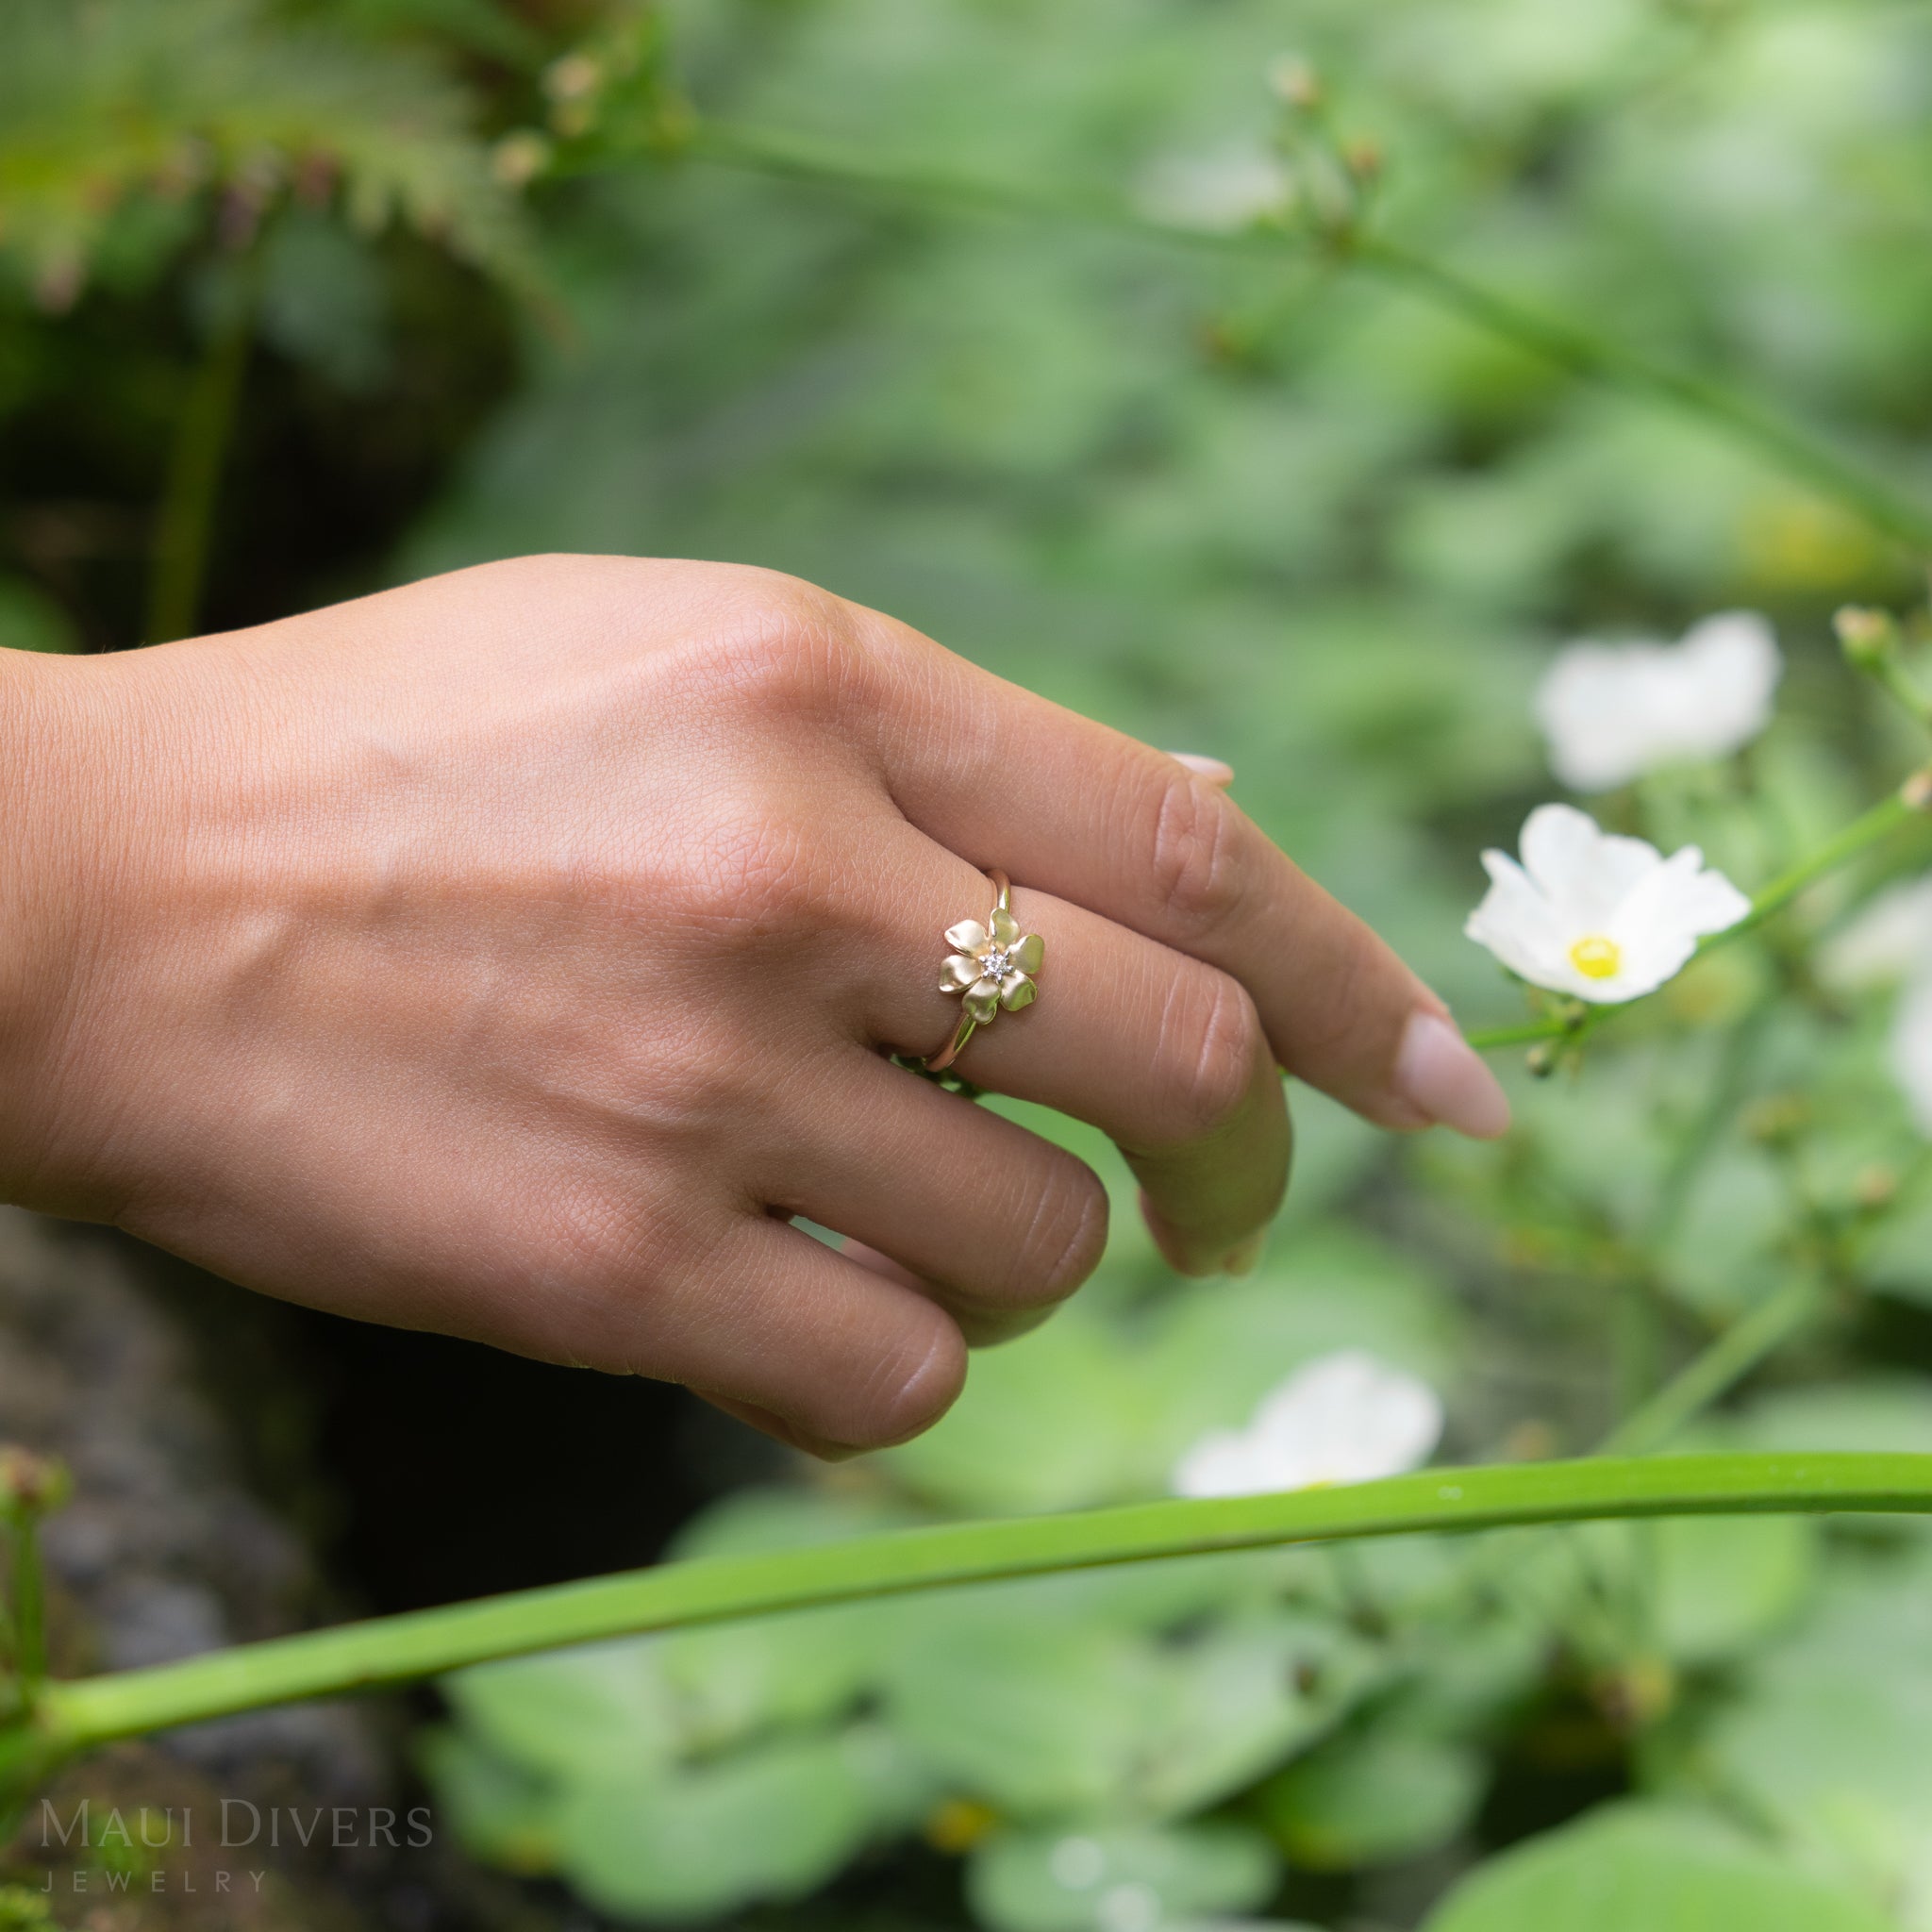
(995, 962)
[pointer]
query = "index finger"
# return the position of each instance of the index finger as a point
(1007, 778)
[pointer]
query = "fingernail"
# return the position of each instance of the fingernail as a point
(1216, 771)
(1440, 1074)
(1243, 1261)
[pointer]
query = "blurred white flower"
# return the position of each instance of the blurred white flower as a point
(1890, 939)
(1890, 943)
(1912, 1052)
(1219, 194)
(1344, 1418)
(1603, 918)
(1612, 713)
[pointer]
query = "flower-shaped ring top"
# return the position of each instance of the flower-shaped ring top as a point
(991, 966)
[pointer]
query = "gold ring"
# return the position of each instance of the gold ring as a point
(990, 966)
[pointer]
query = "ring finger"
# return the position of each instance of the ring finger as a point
(1164, 1054)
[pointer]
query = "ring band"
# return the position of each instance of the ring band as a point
(990, 966)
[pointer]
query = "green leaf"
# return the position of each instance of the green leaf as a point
(1649, 1868)
(1047, 1423)
(771, 1822)
(1235, 1701)
(501, 1812)
(1093, 1407)
(560, 1713)
(1218, 1350)
(1827, 1736)
(1372, 1797)
(1723, 1587)
(1101, 1879)
(1035, 1718)
(735, 1679)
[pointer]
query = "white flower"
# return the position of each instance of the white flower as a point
(1219, 194)
(1343, 1417)
(1602, 918)
(1890, 939)
(1912, 1052)
(1612, 713)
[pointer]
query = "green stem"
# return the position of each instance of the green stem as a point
(792, 158)
(1557, 339)
(1893, 680)
(1904, 805)
(1740, 1348)
(184, 525)
(26, 1603)
(1553, 339)
(27, 1606)
(1636, 1343)
(1525, 1035)
(74, 1715)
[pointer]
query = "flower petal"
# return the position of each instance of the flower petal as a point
(1583, 871)
(1030, 954)
(983, 1000)
(1684, 893)
(1731, 670)
(958, 972)
(1224, 1463)
(1347, 1418)
(1658, 926)
(1017, 990)
(967, 937)
(1612, 713)
(1516, 923)
(1006, 929)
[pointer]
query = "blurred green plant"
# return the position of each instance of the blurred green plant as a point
(130, 130)
(1278, 407)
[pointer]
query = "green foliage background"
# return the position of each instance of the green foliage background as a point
(298, 300)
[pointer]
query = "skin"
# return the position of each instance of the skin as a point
(513, 954)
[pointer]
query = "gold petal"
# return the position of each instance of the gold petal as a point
(1030, 954)
(1017, 990)
(967, 937)
(957, 974)
(1006, 929)
(983, 1001)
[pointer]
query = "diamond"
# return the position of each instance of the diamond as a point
(995, 962)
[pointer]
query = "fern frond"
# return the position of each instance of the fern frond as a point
(105, 103)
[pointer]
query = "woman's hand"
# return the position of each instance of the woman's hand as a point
(514, 953)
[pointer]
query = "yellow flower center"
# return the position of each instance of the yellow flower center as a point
(1596, 957)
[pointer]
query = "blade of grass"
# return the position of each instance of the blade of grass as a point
(75, 1714)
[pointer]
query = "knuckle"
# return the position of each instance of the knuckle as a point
(590, 1263)
(786, 647)
(1211, 1043)
(1195, 855)
(757, 878)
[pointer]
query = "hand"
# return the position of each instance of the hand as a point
(513, 955)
